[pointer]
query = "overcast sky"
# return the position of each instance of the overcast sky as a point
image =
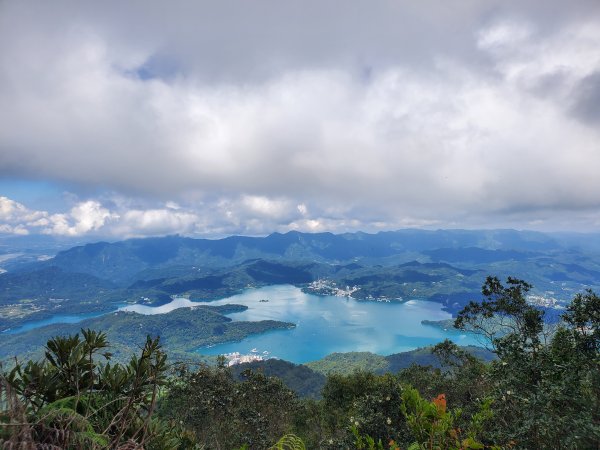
(209, 118)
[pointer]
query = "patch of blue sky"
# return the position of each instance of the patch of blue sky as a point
(35, 194)
(155, 67)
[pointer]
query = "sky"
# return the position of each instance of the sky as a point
(203, 118)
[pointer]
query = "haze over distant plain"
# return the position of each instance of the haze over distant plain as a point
(214, 118)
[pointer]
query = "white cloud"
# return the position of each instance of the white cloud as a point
(19, 230)
(302, 209)
(85, 217)
(433, 117)
(15, 218)
(244, 215)
(90, 217)
(504, 35)
(155, 222)
(265, 206)
(9, 209)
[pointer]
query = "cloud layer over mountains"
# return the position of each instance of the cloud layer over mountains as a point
(250, 117)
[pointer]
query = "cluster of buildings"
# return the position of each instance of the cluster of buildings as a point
(328, 287)
(546, 302)
(237, 358)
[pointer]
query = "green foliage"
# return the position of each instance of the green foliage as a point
(460, 376)
(369, 402)
(51, 282)
(583, 318)
(65, 427)
(224, 413)
(74, 398)
(365, 442)
(289, 442)
(545, 384)
(344, 363)
(170, 435)
(299, 378)
(504, 316)
(434, 427)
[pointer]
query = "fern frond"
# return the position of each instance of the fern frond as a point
(289, 442)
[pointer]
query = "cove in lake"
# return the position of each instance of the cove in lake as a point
(59, 318)
(327, 324)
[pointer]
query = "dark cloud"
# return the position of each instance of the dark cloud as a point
(587, 99)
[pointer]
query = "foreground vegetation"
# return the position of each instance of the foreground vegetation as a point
(541, 392)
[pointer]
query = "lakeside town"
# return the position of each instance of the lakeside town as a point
(236, 358)
(324, 286)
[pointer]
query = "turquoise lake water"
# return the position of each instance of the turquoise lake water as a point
(60, 318)
(326, 324)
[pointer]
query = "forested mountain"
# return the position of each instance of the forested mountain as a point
(446, 266)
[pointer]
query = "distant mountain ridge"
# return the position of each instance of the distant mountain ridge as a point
(122, 260)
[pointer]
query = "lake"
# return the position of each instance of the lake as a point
(324, 324)
(327, 324)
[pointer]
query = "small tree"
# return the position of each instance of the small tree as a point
(545, 383)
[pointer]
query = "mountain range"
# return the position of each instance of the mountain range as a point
(446, 266)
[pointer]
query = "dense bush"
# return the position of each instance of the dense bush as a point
(74, 398)
(223, 413)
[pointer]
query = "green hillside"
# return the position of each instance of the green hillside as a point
(344, 363)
